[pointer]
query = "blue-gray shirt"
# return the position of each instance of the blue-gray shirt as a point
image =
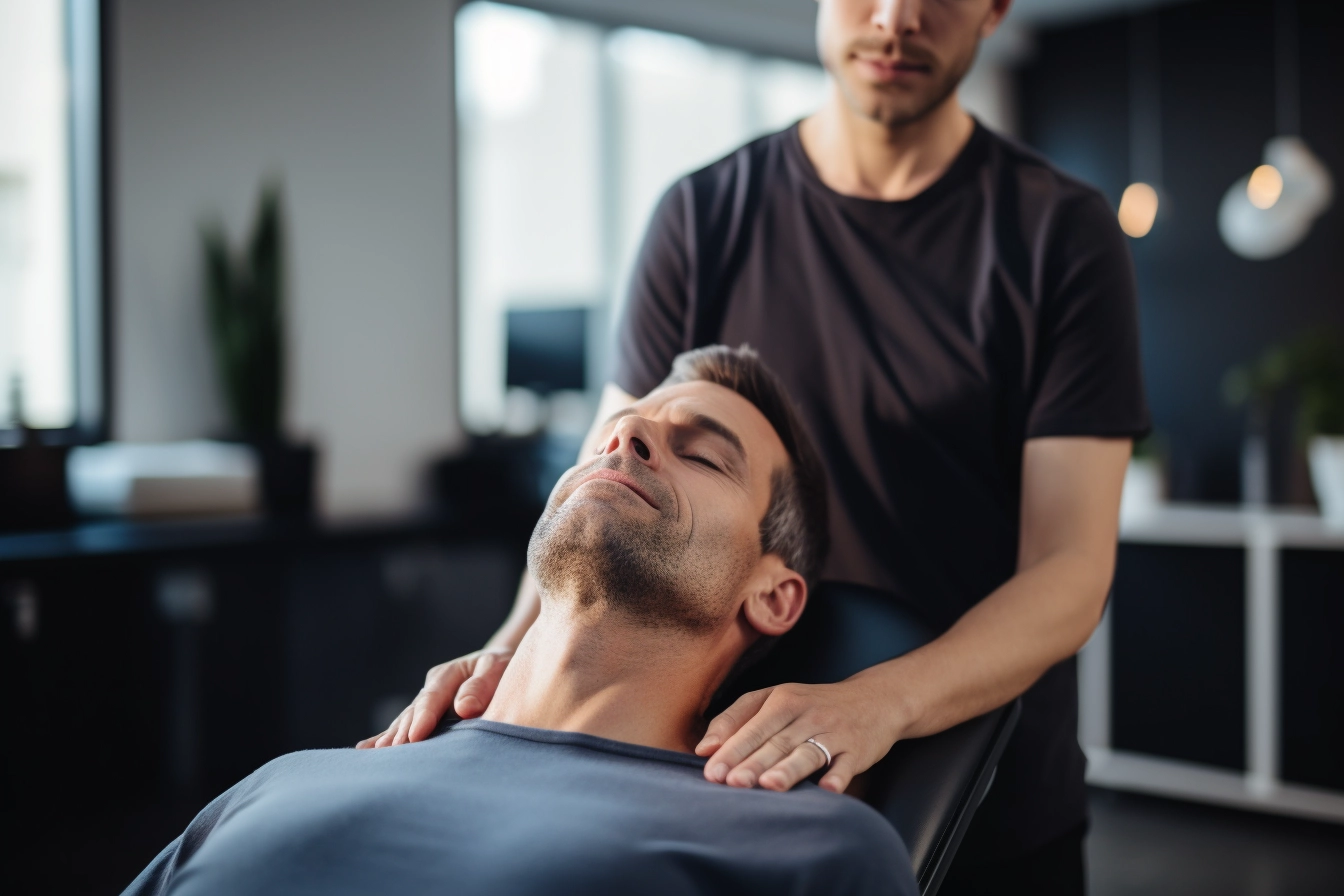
(498, 809)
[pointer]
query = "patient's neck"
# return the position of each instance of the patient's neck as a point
(602, 674)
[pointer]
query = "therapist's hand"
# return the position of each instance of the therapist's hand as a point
(762, 738)
(466, 684)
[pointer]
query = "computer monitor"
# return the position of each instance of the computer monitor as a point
(547, 349)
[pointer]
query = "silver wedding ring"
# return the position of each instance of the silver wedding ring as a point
(825, 752)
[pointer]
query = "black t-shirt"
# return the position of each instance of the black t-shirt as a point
(923, 341)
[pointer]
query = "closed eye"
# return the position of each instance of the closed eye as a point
(704, 460)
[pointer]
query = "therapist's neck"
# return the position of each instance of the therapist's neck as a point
(857, 156)
(600, 673)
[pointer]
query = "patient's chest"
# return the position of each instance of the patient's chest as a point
(481, 814)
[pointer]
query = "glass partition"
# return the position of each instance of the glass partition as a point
(568, 133)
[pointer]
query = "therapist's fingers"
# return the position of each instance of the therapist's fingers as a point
(777, 748)
(385, 739)
(403, 726)
(441, 684)
(804, 760)
(731, 720)
(843, 770)
(477, 691)
(369, 743)
(781, 707)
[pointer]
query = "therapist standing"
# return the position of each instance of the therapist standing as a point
(955, 319)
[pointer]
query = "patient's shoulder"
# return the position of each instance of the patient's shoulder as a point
(874, 854)
(862, 823)
(838, 839)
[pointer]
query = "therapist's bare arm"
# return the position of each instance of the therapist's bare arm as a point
(1047, 611)
(1042, 615)
(467, 684)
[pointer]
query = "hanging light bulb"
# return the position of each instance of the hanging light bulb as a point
(1140, 201)
(1264, 187)
(1138, 209)
(1258, 224)
(1271, 210)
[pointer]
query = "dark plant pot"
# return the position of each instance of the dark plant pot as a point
(33, 488)
(287, 475)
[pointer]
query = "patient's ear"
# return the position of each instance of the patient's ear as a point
(776, 597)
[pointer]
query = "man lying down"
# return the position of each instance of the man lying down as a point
(688, 537)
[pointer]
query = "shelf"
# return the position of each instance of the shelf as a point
(1120, 770)
(1263, 534)
(1230, 526)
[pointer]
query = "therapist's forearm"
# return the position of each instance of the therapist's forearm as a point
(999, 648)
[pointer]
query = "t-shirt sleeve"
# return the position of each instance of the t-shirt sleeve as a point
(157, 877)
(1088, 379)
(653, 321)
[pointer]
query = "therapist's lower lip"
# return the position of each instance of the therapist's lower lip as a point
(889, 72)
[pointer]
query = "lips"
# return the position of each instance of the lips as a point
(621, 479)
(887, 68)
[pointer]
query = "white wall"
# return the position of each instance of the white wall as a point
(350, 101)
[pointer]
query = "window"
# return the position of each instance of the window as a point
(568, 133)
(50, 267)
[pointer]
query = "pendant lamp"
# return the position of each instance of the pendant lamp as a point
(1142, 198)
(1271, 210)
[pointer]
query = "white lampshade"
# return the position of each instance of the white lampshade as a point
(1307, 191)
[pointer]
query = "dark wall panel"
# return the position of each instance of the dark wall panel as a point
(1202, 308)
(1178, 666)
(1312, 667)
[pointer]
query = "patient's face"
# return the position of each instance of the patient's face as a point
(663, 522)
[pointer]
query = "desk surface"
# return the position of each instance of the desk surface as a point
(118, 537)
(1175, 524)
(1230, 526)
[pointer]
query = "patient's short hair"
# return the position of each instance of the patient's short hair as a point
(794, 526)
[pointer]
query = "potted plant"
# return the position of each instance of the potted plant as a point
(1313, 368)
(1320, 381)
(1145, 487)
(245, 305)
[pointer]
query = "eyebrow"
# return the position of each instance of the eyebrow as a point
(709, 424)
(695, 421)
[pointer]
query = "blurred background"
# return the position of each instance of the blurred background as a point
(305, 304)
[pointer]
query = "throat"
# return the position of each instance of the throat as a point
(608, 679)
(868, 160)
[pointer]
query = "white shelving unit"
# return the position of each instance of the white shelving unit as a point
(1262, 534)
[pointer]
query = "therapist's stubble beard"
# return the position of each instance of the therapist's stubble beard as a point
(890, 106)
(601, 554)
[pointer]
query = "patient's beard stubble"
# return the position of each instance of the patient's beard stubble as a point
(601, 558)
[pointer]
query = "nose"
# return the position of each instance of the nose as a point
(633, 435)
(896, 16)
